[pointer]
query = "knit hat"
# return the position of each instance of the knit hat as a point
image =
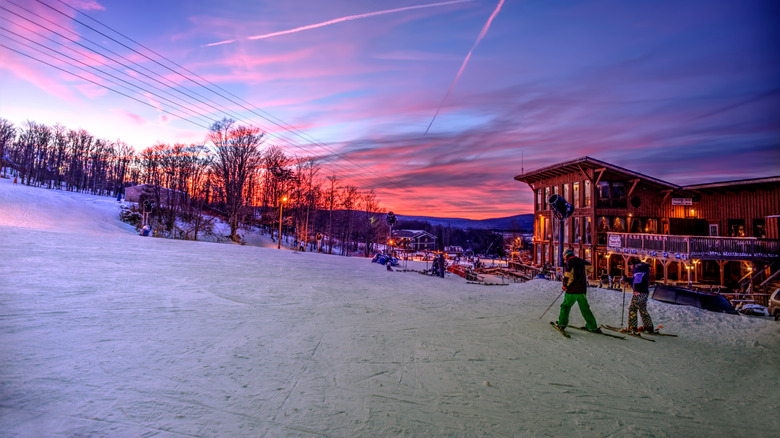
(568, 254)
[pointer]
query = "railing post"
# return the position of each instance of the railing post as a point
(688, 252)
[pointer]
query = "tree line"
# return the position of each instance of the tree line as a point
(234, 175)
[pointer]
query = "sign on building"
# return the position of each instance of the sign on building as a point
(682, 201)
(613, 242)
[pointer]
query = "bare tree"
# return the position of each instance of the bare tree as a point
(7, 135)
(331, 198)
(237, 159)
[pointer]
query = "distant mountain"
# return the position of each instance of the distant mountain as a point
(524, 221)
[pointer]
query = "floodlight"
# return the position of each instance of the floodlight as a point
(559, 205)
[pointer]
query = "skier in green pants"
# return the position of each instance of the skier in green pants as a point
(575, 284)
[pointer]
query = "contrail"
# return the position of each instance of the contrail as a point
(341, 20)
(465, 61)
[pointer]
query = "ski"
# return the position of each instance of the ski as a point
(618, 329)
(560, 330)
(658, 333)
(599, 333)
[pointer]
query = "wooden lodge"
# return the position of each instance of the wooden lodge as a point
(716, 235)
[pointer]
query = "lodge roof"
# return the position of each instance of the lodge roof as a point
(582, 164)
(772, 180)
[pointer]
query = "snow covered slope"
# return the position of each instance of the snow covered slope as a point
(105, 333)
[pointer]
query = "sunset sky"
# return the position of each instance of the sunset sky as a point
(436, 105)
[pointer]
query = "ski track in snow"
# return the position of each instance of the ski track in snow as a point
(105, 333)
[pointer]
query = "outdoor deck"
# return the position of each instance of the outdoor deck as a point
(684, 248)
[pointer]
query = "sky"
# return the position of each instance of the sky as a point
(436, 105)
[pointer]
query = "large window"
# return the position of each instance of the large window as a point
(618, 194)
(588, 238)
(603, 227)
(611, 194)
(575, 188)
(547, 229)
(588, 194)
(546, 197)
(602, 194)
(539, 203)
(619, 225)
(566, 193)
(576, 229)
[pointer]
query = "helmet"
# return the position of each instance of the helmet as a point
(568, 254)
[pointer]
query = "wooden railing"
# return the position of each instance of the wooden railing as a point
(696, 247)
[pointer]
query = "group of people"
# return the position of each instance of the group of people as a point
(439, 266)
(575, 285)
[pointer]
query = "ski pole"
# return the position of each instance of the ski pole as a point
(551, 304)
(623, 308)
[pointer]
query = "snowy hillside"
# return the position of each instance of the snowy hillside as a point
(105, 333)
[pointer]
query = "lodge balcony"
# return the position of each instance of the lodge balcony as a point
(688, 248)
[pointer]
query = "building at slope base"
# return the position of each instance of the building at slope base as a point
(721, 234)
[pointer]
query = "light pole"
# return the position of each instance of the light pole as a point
(281, 205)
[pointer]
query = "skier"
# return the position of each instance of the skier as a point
(575, 284)
(442, 265)
(639, 300)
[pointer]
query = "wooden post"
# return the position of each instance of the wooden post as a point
(665, 263)
(722, 265)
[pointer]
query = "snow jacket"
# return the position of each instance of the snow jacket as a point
(641, 283)
(575, 276)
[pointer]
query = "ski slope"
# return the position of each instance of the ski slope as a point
(105, 333)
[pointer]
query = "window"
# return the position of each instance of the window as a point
(604, 225)
(714, 230)
(651, 226)
(547, 229)
(588, 239)
(636, 225)
(602, 194)
(603, 229)
(540, 228)
(539, 203)
(758, 228)
(546, 196)
(611, 194)
(618, 194)
(575, 188)
(576, 229)
(588, 194)
(566, 193)
(618, 225)
(737, 227)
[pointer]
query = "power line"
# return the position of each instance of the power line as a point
(98, 84)
(365, 174)
(281, 124)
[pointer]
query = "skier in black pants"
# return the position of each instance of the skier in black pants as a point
(639, 300)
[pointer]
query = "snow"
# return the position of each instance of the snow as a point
(105, 333)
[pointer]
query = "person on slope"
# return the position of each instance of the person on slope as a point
(575, 284)
(639, 300)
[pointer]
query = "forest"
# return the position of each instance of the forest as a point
(234, 176)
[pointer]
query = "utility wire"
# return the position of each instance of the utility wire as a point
(99, 84)
(267, 116)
